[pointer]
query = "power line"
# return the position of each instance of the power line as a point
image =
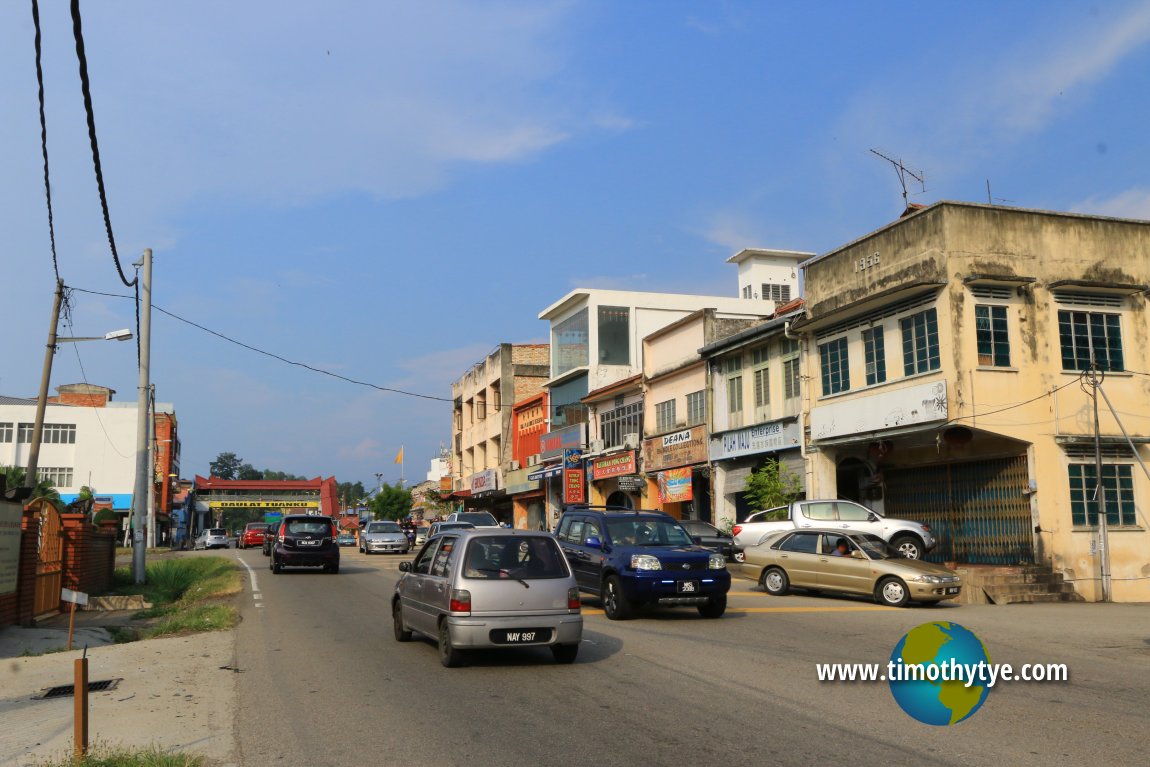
(83, 374)
(1016, 405)
(85, 85)
(274, 356)
(44, 137)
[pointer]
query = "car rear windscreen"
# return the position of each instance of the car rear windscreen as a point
(507, 556)
(384, 527)
(301, 526)
(217, 531)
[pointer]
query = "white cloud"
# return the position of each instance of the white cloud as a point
(364, 450)
(733, 231)
(1132, 203)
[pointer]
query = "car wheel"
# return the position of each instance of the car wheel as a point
(615, 603)
(909, 546)
(715, 607)
(401, 633)
(564, 653)
(333, 569)
(892, 592)
(449, 655)
(277, 568)
(774, 581)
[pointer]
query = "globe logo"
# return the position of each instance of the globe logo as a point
(938, 673)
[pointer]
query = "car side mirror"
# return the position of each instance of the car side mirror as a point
(856, 554)
(872, 517)
(593, 542)
(405, 567)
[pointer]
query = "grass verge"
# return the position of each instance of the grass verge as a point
(187, 594)
(108, 756)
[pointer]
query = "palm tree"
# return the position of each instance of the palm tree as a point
(43, 489)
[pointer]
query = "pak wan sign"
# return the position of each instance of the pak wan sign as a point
(763, 438)
(680, 448)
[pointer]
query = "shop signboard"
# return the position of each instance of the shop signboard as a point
(762, 438)
(680, 448)
(614, 465)
(675, 485)
(574, 486)
(553, 443)
(484, 482)
(632, 484)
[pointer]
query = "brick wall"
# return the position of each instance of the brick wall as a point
(89, 555)
(531, 354)
(16, 608)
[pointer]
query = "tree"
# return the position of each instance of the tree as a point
(247, 471)
(773, 485)
(391, 502)
(226, 466)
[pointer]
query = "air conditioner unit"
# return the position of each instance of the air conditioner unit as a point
(596, 446)
(534, 460)
(631, 440)
(514, 465)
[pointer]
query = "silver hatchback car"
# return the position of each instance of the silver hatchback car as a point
(489, 588)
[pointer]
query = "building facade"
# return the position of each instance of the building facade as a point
(755, 395)
(234, 502)
(481, 426)
(953, 358)
(675, 432)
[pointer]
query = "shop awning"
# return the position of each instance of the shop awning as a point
(544, 473)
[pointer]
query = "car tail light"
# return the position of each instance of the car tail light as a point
(735, 530)
(460, 601)
(281, 536)
(573, 602)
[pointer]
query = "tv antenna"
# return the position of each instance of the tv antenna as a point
(990, 200)
(903, 174)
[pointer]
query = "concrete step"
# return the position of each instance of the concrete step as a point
(1013, 599)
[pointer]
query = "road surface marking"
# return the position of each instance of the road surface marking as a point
(255, 581)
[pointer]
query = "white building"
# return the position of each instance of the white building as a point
(88, 440)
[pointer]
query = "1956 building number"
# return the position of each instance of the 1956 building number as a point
(866, 262)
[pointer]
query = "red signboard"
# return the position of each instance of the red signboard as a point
(573, 486)
(614, 466)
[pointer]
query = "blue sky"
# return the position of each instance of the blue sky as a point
(388, 190)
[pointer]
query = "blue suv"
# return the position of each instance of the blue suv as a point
(634, 558)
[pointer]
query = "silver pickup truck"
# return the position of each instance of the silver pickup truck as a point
(912, 539)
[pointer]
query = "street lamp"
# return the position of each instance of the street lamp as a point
(46, 376)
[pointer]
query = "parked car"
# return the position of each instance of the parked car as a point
(912, 539)
(472, 588)
(212, 538)
(345, 539)
(868, 565)
(252, 535)
(634, 558)
(710, 537)
(439, 527)
(270, 538)
(383, 536)
(305, 540)
(477, 518)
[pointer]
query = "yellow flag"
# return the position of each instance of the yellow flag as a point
(399, 456)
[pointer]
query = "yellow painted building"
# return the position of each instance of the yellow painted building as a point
(947, 359)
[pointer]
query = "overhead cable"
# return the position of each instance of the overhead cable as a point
(274, 356)
(44, 137)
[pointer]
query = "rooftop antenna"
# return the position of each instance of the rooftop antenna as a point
(903, 173)
(990, 200)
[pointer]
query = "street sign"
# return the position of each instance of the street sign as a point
(75, 597)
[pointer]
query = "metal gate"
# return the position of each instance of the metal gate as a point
(50, 559)
(978, 510)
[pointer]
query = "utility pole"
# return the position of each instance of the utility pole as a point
(143, 481)
(1099, 490)
(151, 466)
(42, 399)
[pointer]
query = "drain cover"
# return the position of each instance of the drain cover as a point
(67, 690)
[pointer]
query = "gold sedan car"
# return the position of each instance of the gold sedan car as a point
(851, 563)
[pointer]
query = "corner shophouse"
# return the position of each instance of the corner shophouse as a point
(946, 358)
(596, 342)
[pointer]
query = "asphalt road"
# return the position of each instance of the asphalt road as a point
(324, 683)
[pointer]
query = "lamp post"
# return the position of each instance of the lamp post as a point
(46, 376)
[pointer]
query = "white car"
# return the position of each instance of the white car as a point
(212, 538)
(383, 536)
(477, 518)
